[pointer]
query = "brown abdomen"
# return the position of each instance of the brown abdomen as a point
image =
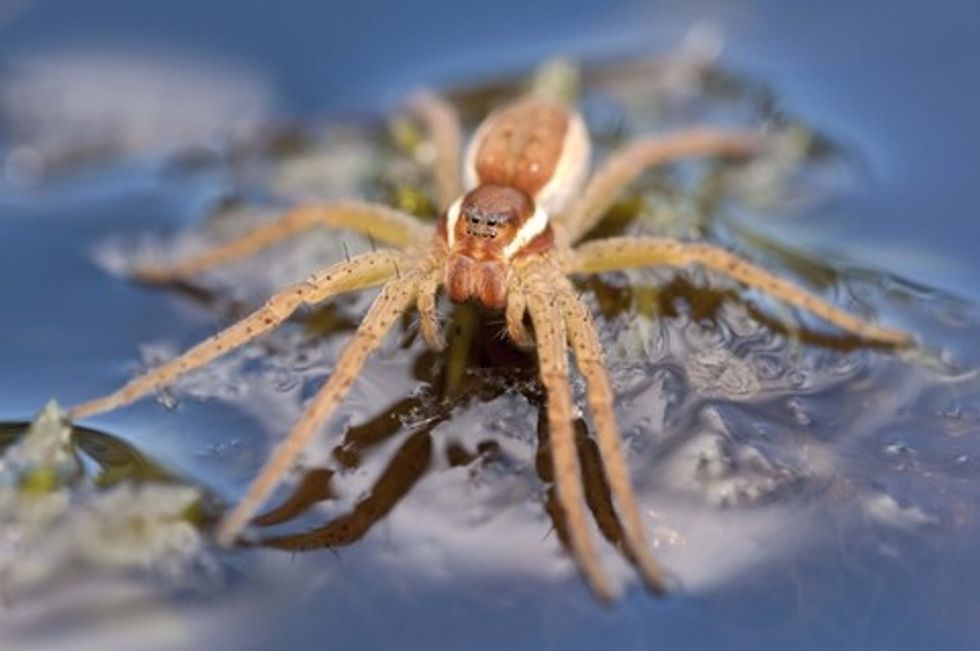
(521, 145)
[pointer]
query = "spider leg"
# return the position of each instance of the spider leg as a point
(428, 317)
(374, 220)
(621, 253)
(549, 329)
(360, 272)
(515, 311)
(624, 166)
(396, 297)
(588, 356)
(442, 124)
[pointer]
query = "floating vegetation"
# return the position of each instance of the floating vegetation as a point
(80, 501)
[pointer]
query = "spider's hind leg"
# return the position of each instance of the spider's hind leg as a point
(442, 124)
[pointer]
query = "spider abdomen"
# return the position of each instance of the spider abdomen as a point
(535, 145)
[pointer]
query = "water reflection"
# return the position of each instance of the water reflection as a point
(108, 459)
(411, 461)
(405, 469)
(763, 445)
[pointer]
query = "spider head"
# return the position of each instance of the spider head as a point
(484, 230)
(494, 222)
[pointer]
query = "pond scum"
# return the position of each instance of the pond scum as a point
(729, 404)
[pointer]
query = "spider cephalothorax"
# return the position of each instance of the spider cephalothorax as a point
(526, 160)
(508, 241)
(484, 230)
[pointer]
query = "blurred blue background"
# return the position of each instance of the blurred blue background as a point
(894, 79)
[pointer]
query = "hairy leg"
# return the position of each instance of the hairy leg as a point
(396, 297)
(360, 272)
(588, 356)
(624, 166)
(549, 329)
(515, 311)
(428, 317)
(375, 220)
(442, 125)
(624, 252)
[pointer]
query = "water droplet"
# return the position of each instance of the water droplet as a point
(798, 412)
(796, 378)
(898, 449)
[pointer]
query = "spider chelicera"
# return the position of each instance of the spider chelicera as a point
(513, 211)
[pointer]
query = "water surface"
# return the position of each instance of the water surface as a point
(807, 491)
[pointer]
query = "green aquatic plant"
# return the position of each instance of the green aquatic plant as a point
(56, 518)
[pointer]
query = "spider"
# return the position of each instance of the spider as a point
(514, 208)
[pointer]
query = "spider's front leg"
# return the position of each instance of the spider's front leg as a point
(627, 164)
(546, 282)
(625, 252)
(588, 356)
(396, 297)
(550, 333)
(360, 272)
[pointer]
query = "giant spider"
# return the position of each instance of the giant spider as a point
(512, 212)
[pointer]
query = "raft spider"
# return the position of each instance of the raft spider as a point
(512, 213)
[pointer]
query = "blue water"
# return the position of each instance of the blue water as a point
(896, 81)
